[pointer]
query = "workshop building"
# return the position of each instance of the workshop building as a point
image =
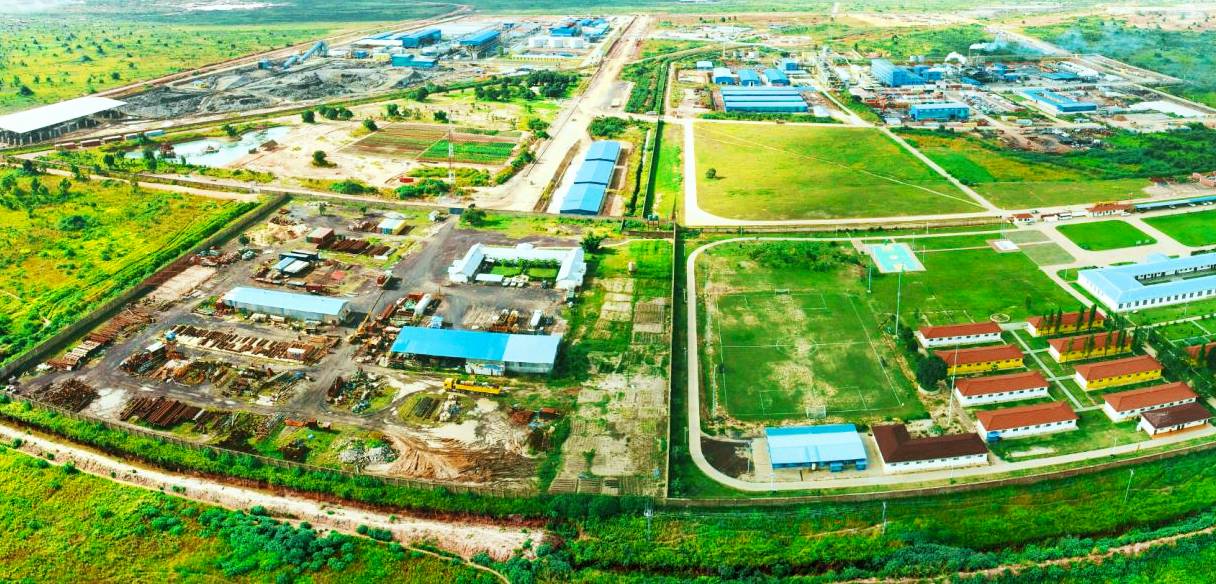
(831, 446)
(290, 305)
(479, 352)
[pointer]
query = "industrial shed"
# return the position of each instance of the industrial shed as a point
(763, 99)
(832, 446)
(722, 76)
(480, 352)
(50, 121)
(422, 38)
(479, 44)
(776, 77)
(1159, 281)
(609, 150)
(748, 78)
(945, 111)
(288, 304)
(1059, 103)
(597, 172)
(584, 199)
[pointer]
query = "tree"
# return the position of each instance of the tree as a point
(370, 125)
(108, 160)
(931, 371)
(473, 216)
(392, 110)
(711, 173)
(320, 158)
(230, 130)
(441, 116)
(591, 242)
(1210, 361)
(422, 94)
(309, 116)
(607, 127)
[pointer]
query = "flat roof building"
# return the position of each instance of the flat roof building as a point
(572, 267)
(901, 452)
(1159, 281)
(832, 446)
(1023, 421)
(1173, 419)
(1127, 371)
(946, 111)
(1126, 405)
(288, 304)
(950, 335)
(51, 121)
(480, 352)
(993, 389)
(769, 98)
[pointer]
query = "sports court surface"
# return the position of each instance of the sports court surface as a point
(894, 257)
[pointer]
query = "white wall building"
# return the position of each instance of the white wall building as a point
(1022, 421)
(901, 453)
(1127, 405)
(1173, 419)
(959, 334)
(975, 391)
(1159, 281)
(572, 267)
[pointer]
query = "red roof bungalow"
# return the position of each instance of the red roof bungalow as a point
(959, 334)
(1104, 209)
(1194, 351)
(901, 452)
(1000, 388)
(1126, 371)
(1070, 322)
(1125, 405)
(1030, 420)
(1102, 344)
(981, 359)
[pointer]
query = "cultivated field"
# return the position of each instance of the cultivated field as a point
(1193, 229)
(1104, 235)
(788, 342)
(804, 172)
(429, 143)
(74, 245)
(1014, 182)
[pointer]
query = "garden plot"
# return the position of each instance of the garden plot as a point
(430, 143)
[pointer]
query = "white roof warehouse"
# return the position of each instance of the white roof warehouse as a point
(50, 121)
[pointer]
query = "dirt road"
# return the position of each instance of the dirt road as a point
(464, 538)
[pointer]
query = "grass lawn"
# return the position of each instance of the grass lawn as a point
(782, 340)
(1094, 430)
(68, 250)
(1193, 229)
(63, 522)
(806, 172)
(1104, 235)
(669, 173)
(1015, 183)
(969, 286)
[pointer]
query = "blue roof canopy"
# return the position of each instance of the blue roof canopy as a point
(603, 150)
(286, 300)
(477, 345)
(584, 199)
(595, 171)
(805, 445)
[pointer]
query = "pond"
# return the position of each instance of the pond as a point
(216, 152)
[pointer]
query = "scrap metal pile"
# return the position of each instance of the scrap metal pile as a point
(159, 411)
(308, 350)
(127, 322)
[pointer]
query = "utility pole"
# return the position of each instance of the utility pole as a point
(884, 517)
(899, 287)
(1130, 475)
(451, 156)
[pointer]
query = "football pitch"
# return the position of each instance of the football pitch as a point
(805, 354)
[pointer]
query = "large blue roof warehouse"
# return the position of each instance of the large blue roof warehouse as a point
(831, 445)
(482, 352)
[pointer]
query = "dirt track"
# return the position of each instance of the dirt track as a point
(463, 538)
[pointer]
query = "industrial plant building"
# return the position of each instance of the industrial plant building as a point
(722, 76)
(419, 39)
(1159, 281)
(1059, 103)
(592, 179)
(749, 78)
(306, 307)
(480, 44)
(480, 352)
(946, 111)
(572, 267)
(768, 99)
(902, 453)
(892, 75)
(831, 446)
(51, 121)
(776, 78)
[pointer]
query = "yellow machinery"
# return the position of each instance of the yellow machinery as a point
(453, 384)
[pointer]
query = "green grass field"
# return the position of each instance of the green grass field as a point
(69, 250)
(470, 152)
(1014, 183)
(669, 173)
(55, 60)
(784, 341)
(969, 286)
(1193, 229)
(1104, 235)
(804, 172)
(62, 523)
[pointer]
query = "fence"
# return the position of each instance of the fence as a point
(875, 229)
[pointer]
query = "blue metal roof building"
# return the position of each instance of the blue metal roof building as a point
(288, 304)
(478, 39)
(422, 38)
(705, 65)
(595, 172)
(941, 111)
(748, 78)
(481, 350)
(722, 76)
(890, 75)
(788, 64)
(1060, 103)
(767, 99)
(584, 199)
(609, 150)
(776, 77)
(832, 445)
(1158, 281)
(1174, 204)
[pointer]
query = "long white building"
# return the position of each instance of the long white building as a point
(1159, 281)
(572, 266)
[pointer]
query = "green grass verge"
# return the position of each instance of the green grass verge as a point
(1104, 235)
(1191, 229)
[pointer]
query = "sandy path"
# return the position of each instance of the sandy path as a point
(462, 538)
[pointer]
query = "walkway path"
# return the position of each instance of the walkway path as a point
(464, 538)
(828, 482)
